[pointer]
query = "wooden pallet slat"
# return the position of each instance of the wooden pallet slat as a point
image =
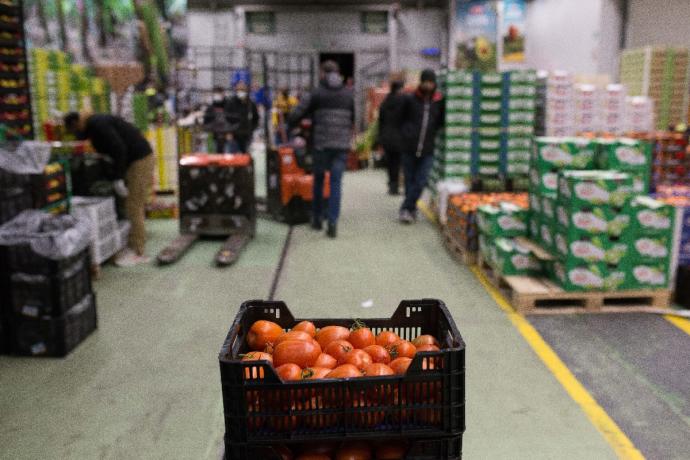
(457, 250)
(541, 296)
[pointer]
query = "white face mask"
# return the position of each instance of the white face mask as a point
(217, 97)
(242, 94)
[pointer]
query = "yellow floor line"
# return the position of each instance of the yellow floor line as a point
(680, 323)
(426, 211)
(620, 443)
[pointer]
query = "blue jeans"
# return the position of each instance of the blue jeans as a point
(416, 171)
(333, 160)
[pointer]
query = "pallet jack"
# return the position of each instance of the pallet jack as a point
(216, 199)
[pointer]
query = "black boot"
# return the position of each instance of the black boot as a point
(316, 225)
(393, 188)
(332, 230)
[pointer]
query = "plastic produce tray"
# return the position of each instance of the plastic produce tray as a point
(447, 448)
(428, 401)
(42, 295)
(55, 336)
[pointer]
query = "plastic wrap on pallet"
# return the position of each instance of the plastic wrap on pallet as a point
(53, 237)
(30, 157)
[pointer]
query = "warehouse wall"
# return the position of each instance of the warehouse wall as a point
(658, 22)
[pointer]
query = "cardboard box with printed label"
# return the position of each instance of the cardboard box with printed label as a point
(647, 276)
(598, 221)
(623, 154)
(650, 217)
(511, 258)
(554, 153)
(586, 189)
(601, 248)
(505, 219)
(575, 276)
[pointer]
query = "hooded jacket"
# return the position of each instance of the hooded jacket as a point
(331, 107)
(390, 119)
(422, 118)
(243, 115)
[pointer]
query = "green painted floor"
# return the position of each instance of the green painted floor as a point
(146, 385)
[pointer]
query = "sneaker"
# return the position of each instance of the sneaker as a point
(405, 217)
(129, 258)
(332, 231)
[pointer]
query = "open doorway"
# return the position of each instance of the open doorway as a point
(346, 61)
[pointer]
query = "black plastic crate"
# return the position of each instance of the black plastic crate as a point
(54, 337)
(429, 400)
(12, 205)
(10, 181)
(43, 295)
(21, 258)
(446, 448)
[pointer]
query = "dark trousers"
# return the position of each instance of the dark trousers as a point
(416, 170)
(333, 160)
(393, 165)
(242, 143)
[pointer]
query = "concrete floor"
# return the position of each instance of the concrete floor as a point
(146, 385)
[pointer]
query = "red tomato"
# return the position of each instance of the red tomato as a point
(345, 371)
(293, 335)
(304, 354)
(315, 373)
(425, 339)
(262, 333)
(329, 334)
(306, 326)
(338, 349)
(289, 371)
(354, 451)
(400, 365)
(428, 347)
(326, 360)
(390, 451)
(386, 338)
(361, 336)
(358, 358)
(378, 354)
(377, 369)
(402, 349)
(255, 372)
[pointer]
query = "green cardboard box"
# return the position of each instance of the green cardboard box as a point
(522, 104)
(521, 130)
(521, 117)
(489, 169)
(624, 154)
(489, 119)
(593, 249)
(520, 143)
(650, 217)
(491, 79)
(598, 221)
(458, 118)
(585, 189)
(544, 183)
(575, 276)
(522, 156)
(535, 203)
(554, 153)
(458, 77)
(522, 90)
(517, 167)
(454, 131)
(505, 219)
(489, 158)
(459, 105)
(491, 92)
(460, 143)
(489, 132)
(651, 249)
(460, 92)
(513, 258)
(490, 144)
(491, 106)
(534, 222)
(452, 156)
(546, 233)
(548, 207)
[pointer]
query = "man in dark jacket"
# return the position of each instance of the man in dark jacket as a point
(133, 163)
(216, 120)
(423, 116)
(243, 115)
(332, 110)
(389, 135)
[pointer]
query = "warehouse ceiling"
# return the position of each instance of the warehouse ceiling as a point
(222, 4)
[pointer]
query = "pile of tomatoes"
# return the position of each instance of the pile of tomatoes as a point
(332, 352)
(346, 451)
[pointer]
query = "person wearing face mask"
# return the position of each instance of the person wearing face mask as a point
(331, 108)
(133, 165)
(390, 115)
(244, 115)
(216, 120)
(423, 114)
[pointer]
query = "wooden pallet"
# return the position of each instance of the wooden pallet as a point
(458, 252)
(540, 296)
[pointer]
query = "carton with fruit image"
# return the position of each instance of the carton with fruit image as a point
(598, 221)
(645, 276)
(651, 249)
(505, 219)
(588, 250)
(651, 217)
(555, 153)
(624, 154)
(513, 258)
(587, 189)
(574, 276)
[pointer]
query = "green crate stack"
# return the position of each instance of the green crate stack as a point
(627, 155)
(489, 126)
(660, 73)
(519, 120)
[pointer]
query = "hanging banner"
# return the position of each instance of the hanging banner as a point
(476, 28)
(513, 31)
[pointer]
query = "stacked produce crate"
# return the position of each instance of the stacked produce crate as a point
(52, 189)
(519, 116)
(15, 105)
(627, 155)
(50, 306)
(671, 159)
(107, 235)
(661, 73)
(15, 194)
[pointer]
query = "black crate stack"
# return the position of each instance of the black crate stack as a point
(15, 103)
(50, 307)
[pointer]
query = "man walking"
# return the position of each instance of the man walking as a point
(423, 116)
(390, 117)
(216, 120)
(332, 110)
